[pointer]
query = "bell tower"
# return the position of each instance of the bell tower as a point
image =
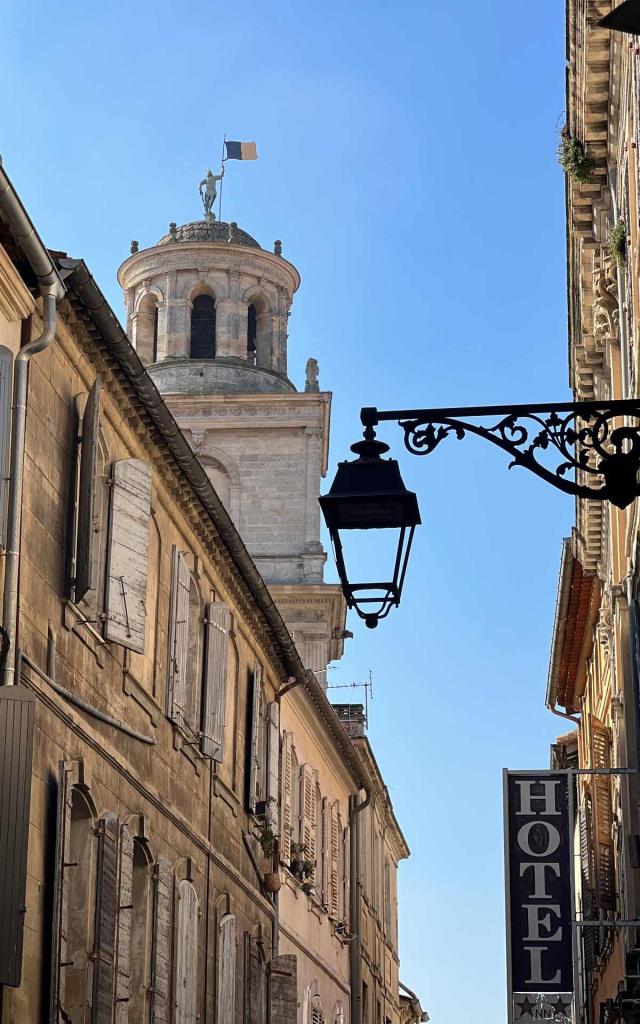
(207, 311)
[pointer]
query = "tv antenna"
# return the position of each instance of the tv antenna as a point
(367, 686)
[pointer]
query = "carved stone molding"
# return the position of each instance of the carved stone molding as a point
(605, 303)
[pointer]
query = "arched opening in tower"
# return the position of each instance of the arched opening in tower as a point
(252, 332)
(203, 328)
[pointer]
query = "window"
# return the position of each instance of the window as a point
(252, 330)
(334, 856)
(146, 329)
(387, 899)
(317, 1016)
(226, 992)
(309, 811)
(203, 328)
(110, 567)
(6, 369)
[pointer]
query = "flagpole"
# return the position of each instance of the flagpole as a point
(222, 178)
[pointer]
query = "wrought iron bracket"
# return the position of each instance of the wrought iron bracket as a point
(587, 449)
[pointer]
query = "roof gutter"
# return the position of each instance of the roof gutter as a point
(85, 287)
(559, 625)
(51, 289)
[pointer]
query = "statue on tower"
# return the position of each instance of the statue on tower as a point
(209, 193)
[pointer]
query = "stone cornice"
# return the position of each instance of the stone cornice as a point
(214, 255)
(381, 795)
(16, 301)
(264, 410)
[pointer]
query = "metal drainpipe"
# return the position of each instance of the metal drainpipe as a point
(18, 421)
(355, 948)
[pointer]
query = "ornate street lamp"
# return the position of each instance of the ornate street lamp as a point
(592, 450)
(624, 18)
(369, 494)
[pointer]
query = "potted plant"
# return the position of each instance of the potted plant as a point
(617, 245)
(269, 845)
(574, 160)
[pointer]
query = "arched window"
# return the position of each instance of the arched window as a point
(146, 329)
(203, 328)
(252, 331)
(226, 955)
(317, 1016)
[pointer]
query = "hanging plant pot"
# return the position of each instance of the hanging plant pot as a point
(272, 881)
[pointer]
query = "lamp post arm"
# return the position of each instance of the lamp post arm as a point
(591, 449)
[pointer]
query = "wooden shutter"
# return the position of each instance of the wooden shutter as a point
(283, 974)
(218, 626)
(286, 782)
(6, 368)
(226, 990)
(346, 874)
(324, 856)
(161, 947)
(309, 813)
(87, 493)
(273, 765)
(603, 816)
(128, 554)
(254, 737)
(125, 912)
(102, 1006)
(61, 882)
(187, 955)
(334, 866)
(256, 982)
(17, 716)
(178, 637)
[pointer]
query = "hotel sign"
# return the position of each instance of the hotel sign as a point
(539, 904)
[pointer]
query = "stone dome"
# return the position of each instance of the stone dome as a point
(209, 231)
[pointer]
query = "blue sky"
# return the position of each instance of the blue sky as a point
(407, 161)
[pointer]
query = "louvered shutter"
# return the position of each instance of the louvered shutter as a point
(218, 626)
(161, 943)
(257, 983)
(226, 993)
(187, 955)
(346, 874)
(286, 782)
(273, 765)
(309, 813)
(125, 912)
(283, 974)
(6, 367)
(178, 637)
(254, 748)
(324, 854)
(102, 1006)
(603, 817)
(334, 867)
(61, 882)
(128, 554)
(87, 493)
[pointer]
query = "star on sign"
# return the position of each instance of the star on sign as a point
(526, 1006)
(562, 1006)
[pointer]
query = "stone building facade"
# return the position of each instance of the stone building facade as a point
(188, 792)
(595, 660)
